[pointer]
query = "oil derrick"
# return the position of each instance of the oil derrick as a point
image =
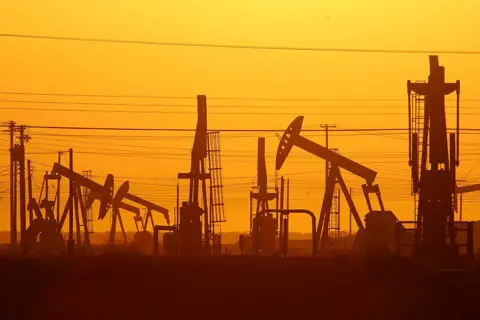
(378, 235)
(433, 160)
(190, 213)
(263, 228)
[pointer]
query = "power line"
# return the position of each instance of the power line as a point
(146, 96)
(214, 113)
(94, 95)
(233, 46)
(192, 106)
(220, 130)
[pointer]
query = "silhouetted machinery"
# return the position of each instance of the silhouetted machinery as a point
(191, 213)
(433, 160)
(50, 229)
(379, 231)
(263, 227)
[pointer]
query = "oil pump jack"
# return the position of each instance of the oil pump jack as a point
(190, 224)
(206, 144)
(103, 193)
(263, 228)
(108, 200)
(50, 228)
(434, 174)
(379, 231)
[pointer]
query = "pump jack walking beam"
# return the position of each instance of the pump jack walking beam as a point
(149, 205)
(292, 137)
(98, 191)
(103, 193)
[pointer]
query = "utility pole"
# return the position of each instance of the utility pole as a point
(30, 194)
(13, 214)
(23, 211)
(282, 197)
(461, 206)
(327, 127)
(288, 193)
(60, 153)
(71, 240)
(351, 196)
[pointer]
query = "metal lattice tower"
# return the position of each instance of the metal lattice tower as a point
(417, 125)
(85, 192)
(334, 220)
(217, 211)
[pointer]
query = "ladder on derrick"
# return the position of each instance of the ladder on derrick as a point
(418, 122)
(89, 210)
(334, 222)
(217, 211)
(334, 217)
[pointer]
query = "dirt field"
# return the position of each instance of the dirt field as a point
(124, 286)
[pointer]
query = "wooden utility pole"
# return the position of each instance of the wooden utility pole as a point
(288, 193)
(351, 196)
(23, 211)
(13, 213)
(60, 153)
(282, 193)
(71, 240)
(30, 194)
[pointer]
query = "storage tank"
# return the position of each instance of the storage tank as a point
(264, 234)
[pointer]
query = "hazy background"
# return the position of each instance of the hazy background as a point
(151, 160)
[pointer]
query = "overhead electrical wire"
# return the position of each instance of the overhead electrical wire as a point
(192, 106)
(146, 96)
(193, 130)
(210, 113)
(238, 46)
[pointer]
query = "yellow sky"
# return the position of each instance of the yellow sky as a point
(80, 67)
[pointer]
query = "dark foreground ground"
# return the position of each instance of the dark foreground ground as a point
(123, 286)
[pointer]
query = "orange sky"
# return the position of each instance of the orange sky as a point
(99, 68)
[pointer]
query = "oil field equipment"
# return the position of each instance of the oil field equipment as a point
(367, 237)
(284, 218)
(191, 240)
(263, 228)
(433, 157)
